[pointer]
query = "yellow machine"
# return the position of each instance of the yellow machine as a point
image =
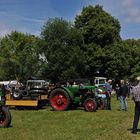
(33, 94)
(36, 102)
(25, 102)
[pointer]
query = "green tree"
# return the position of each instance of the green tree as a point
(117, 61)
(64, 57)
(113, 61)
(19, 56)
(97, 26)
(134, 57)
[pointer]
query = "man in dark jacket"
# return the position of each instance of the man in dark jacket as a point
(122, 94)
(108, 95)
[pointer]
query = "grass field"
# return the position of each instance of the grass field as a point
(45, 124)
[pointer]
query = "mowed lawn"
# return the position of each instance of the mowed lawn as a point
(45, 124)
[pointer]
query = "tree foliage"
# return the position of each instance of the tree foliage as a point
(19, 56)
(134, 57)
(98, 26)
(90, 47)
(65, 59)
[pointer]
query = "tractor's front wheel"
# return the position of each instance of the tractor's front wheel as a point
(59, 99)
(90, 105)
(5, 117)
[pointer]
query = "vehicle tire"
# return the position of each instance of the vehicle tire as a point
(101, 103)
(59, 99)
(5, 117)
(90, 105)
(17, 94)
(24, 93)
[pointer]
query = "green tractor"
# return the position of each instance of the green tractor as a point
(65, 96)
(5, 116)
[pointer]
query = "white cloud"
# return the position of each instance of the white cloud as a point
(127, 3)
(32, 19)
(131, 11)
(78, 12)
(4, 30)
(10, 22)
(18, 17)
(28, 20)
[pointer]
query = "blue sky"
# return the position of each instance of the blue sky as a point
(29, 16)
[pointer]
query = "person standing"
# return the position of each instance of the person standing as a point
(122, 94)
(136, 98)
(108, 95)
(117, 89)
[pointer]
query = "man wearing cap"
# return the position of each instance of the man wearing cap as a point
(136, 98)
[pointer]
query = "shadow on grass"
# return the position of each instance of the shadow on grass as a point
(71, 109)
(27, 108)
(7, 127)
(10, 126)
(130, 129)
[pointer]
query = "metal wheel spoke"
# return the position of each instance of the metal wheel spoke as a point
(59, 99)
(64, 100)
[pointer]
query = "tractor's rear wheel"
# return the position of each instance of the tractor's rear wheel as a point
(90, 105)
(59, 99)
(5, 117)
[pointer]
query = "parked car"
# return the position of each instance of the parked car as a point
(33, 88)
